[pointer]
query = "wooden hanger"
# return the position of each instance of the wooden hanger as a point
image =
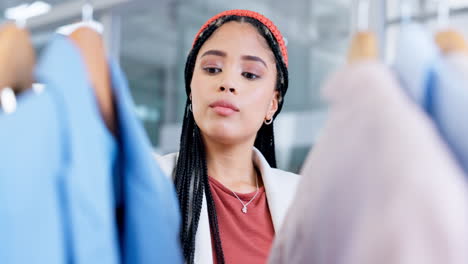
(17, 58)
(363, 47)
(449, 40)
(91, 46)
(364, 42)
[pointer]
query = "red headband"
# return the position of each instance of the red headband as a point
(247, 13)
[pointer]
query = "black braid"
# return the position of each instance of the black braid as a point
(265, 143)
(191, 174)
(213, 217)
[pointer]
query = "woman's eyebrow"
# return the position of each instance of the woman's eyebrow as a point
(254, 58)
(215, 52)
(223, 54)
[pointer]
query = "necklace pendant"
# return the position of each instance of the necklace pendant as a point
(244, 209)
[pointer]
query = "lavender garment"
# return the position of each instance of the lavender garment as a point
(379, 186)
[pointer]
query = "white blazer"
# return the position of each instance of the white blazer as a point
(280, 188)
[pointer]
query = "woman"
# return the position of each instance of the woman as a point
(232, 199)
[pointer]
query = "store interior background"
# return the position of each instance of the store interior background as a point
(151, 39)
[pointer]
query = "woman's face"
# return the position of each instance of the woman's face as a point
(233, 84)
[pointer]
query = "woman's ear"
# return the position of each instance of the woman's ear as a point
(273, 107)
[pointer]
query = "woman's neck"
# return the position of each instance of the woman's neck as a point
(232, 165)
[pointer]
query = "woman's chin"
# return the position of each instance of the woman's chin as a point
(223, 134)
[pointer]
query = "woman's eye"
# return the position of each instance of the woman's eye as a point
(250, 76)
(211, 70)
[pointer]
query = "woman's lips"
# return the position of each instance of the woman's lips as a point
(224, 111)
(224, 108)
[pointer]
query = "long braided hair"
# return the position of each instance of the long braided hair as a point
(191, 178)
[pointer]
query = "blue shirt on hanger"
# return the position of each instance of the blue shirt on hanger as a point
(88, 195)
(31, 176)
(150, 213)
(57, 166)
(431, 83)
(63, 175)
(151, 210)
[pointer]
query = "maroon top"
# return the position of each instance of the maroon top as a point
(245, 237)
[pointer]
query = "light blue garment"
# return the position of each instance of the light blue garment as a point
(90, 157)
(31, 173)
(63, 176)
(432, 83)
(56, 175)
(151, 211)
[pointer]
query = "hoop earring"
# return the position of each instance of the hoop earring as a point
(268, 122)
(189, 110)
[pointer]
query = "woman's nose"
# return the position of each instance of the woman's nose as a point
(228, 84)
(223, 88)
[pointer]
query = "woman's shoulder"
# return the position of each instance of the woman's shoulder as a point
(284, 173)
(281, 187)
(167, 162)
(284, 180)
(276, 178)
(287, 176)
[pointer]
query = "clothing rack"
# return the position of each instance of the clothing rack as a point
(461, 11)
(67, 12)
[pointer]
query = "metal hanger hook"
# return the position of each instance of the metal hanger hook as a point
(443, 13)
(87, 12)
(405, 11)
(363, 15)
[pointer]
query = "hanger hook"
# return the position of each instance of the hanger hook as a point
(443, 13)
(21, 19)
(87, 12)
(363, 15)
(406, 10)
